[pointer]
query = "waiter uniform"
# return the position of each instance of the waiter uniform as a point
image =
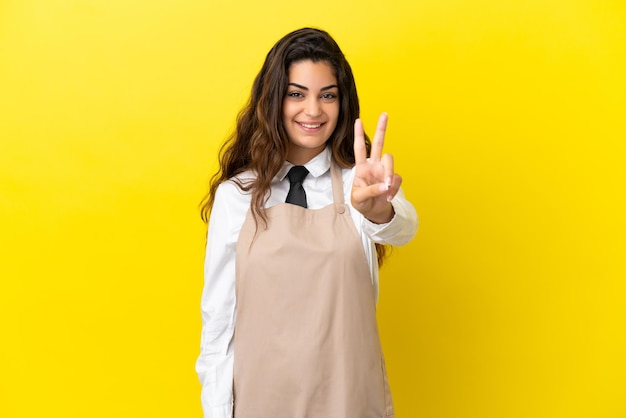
(306, 337)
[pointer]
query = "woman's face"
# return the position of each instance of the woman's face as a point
(310, 109)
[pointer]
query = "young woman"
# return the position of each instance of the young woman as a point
(298, 218)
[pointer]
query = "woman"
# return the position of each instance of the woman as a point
(298, 219)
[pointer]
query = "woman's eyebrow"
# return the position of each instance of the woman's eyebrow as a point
(307, 89)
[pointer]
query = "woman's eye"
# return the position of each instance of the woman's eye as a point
(295, 94)
(329, 96)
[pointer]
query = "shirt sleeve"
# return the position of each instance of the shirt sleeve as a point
(402, 227)
(215, 362)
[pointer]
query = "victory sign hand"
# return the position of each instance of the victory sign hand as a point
(375, 182)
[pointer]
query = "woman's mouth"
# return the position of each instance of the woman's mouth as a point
(310, 125)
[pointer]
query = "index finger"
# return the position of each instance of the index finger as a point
(379, 137)
(360, 152)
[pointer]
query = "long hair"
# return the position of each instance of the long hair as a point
(259, 142)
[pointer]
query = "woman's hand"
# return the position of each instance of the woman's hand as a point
(375, 183)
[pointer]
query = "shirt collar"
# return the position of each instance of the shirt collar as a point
(317, 166)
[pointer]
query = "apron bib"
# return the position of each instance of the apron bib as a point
(306, 338)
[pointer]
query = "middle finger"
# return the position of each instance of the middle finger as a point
(379, 138)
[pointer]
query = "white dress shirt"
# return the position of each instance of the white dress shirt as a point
(215, 363)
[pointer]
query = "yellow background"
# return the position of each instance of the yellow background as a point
(507, 120)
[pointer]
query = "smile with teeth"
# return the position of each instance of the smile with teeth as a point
(309, 125)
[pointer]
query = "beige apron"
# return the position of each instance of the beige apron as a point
(306, 339)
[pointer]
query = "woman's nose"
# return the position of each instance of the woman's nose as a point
(313, 108)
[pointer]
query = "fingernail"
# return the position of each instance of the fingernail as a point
(388, 182)
(383, 187)
(389, 198)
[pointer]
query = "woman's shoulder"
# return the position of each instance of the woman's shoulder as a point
(233, 188)
(347, 174)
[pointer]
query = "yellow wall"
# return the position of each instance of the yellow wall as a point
(507, 122)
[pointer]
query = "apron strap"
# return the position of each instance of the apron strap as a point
(337, 182)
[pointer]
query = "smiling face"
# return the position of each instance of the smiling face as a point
(310, 109)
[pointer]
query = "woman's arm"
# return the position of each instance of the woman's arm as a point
(400, 230)
(388, 218)
(215, 363)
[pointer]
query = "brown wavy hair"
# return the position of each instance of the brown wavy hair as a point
(259, 141)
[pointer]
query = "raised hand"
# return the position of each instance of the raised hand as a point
(375, 182)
